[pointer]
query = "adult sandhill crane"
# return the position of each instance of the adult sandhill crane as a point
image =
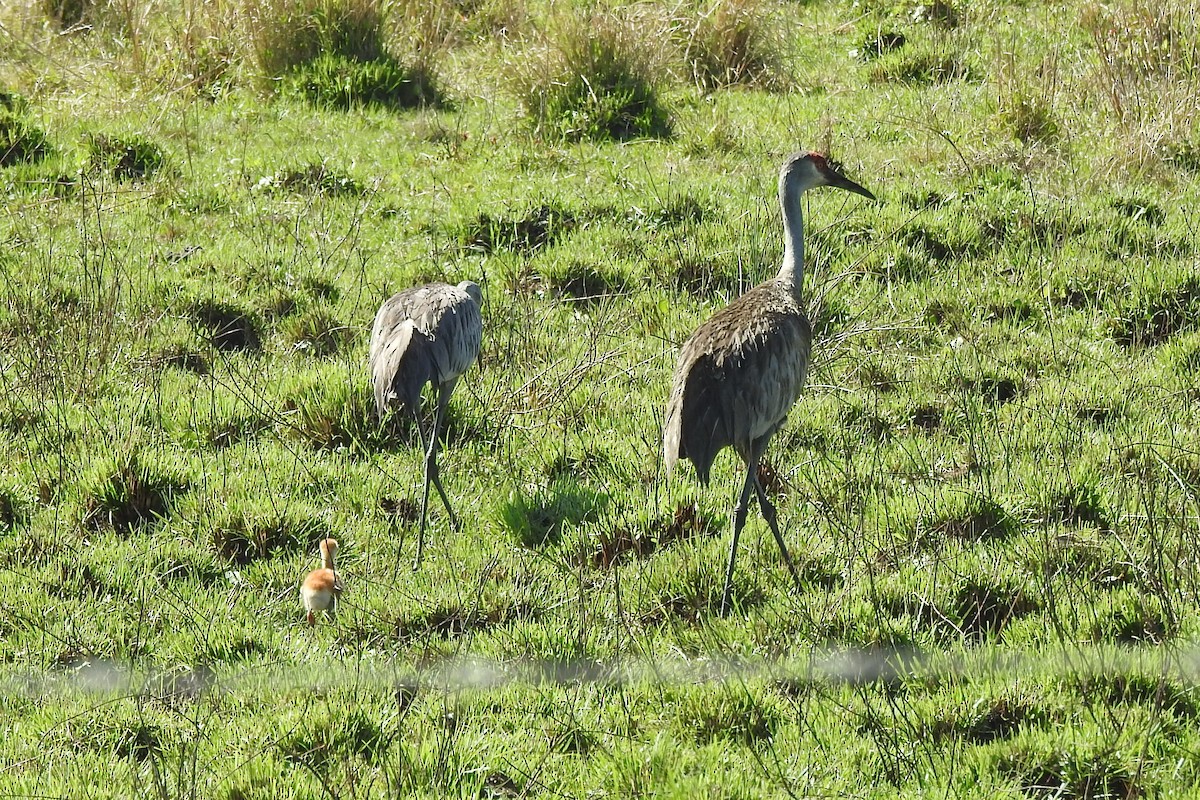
(427, 334)
(321, 587)
(741, 371)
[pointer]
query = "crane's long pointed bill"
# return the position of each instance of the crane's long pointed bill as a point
(842, 182)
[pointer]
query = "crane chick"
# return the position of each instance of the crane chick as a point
(425, 335)
(740, 372)
(321, 587)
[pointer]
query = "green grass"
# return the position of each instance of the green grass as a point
(990, 486)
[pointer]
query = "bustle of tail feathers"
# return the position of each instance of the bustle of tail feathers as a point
(390, 354)
(693, 431)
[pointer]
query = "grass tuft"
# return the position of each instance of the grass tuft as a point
(314, 178)
(1087, 561)
(1183, 155)
(986, 609)
(1031, 119)
(242, 537)
(317, 333)
(927, 417)
(865, 422)
(880, 43)
(983, 722)
(1078, 505)
(572, 740)
(125, 491)
(537, 518)
(1131, 620)
(75, 579)
(226, 326)
(1158, 314)
(701, 276)
(227, 430)
(180, 686)
(444, 622)
(290, 34)
(687, 522)
(180, 358)
(125, 158)
(592, 80)
(1139, 210)
(729, 717)
(331, 415)
(734, 42)
(972, 518)
(323, 739)
(923, 64)
(20, 142)
(992, 389)
(14, 508)
(139, 741)
(695, 593)
(68, 13)
(1066, 773)
(500, 784)
(681, 210)
(404, 510)
(587, 281)
(1153, 691)
(539, 227)
(337, 82)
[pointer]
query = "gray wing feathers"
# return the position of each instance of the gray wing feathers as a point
(426, 334)
(738, 376)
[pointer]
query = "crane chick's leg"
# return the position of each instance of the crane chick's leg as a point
(431, 466)
(768, 511)
(739, 520)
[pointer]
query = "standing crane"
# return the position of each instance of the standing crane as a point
(427, 334)
(741, 371)
(321, 587)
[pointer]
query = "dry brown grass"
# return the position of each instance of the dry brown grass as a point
(734, 42)
(1147, 71)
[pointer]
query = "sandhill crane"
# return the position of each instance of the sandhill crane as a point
(321, 587)
(741, 371)
(427, 334)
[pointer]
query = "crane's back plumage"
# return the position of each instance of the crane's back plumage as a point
(737, 377)
(427, 334)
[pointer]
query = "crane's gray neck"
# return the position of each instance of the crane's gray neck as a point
(792, 271)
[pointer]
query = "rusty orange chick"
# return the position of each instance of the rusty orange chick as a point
(321, 587)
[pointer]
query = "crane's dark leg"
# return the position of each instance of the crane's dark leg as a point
(768, 512)
(739, 519)
(426, 445)
(431, 468)
(430, 446)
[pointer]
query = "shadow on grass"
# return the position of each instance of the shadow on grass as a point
(539, 517)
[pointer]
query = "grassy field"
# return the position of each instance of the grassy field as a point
(991, 484)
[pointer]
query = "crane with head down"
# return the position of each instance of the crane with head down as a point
(425, 335)
(740, 372)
